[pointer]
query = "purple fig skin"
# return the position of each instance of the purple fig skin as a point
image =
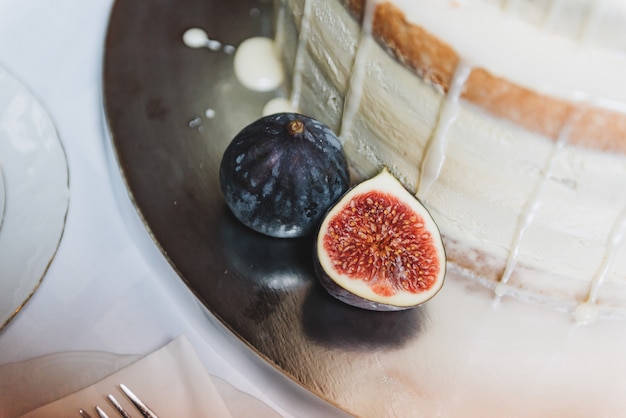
(279, 178)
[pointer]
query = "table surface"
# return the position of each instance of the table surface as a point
(108, 288)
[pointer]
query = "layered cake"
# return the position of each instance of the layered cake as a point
(505, 118)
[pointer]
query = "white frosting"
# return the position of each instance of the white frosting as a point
(531, 207)
(598, 23)
(615, 243)
(435, 154)
(508, 199)
(585, 313)
(278, 105)
(195, 38)
(198, 38)
(529, 55)
(257, 64)
(357, 73)
(296, 84)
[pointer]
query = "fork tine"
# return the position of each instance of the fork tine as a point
(118, 407)
(141, 407)
(101, 413)
(84, 413)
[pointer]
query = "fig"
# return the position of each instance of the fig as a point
(281, 173)
(378, 248)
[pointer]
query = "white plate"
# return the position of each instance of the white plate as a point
(35, 194)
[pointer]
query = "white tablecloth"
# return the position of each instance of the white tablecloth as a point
(107, 288)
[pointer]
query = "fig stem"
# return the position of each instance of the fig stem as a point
(295, 127)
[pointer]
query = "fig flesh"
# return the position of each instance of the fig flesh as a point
(281, 173)
(378, 248)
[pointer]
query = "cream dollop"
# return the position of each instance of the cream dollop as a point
(195, 38)
(278, 105)
(257, 64)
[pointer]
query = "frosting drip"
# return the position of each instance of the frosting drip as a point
(435, 154)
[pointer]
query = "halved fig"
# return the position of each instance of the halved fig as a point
(378, 248)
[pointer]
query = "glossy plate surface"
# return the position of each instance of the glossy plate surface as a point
(172, 110)
(34, 194)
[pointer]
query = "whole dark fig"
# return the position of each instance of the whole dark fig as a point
(378, 248)
(281, 173)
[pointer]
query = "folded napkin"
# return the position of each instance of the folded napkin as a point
(172, 381)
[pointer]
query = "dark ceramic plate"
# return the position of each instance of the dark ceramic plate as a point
(171, 112)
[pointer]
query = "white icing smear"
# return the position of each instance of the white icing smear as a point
(303, 37)
(257, 64)
(530, 208)
(614, 243)
(586, 313)
(487, 36)
(436, 150)
(357, 74)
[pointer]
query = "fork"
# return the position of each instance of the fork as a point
(134, 399)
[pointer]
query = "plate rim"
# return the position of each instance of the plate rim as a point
(54, 150)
